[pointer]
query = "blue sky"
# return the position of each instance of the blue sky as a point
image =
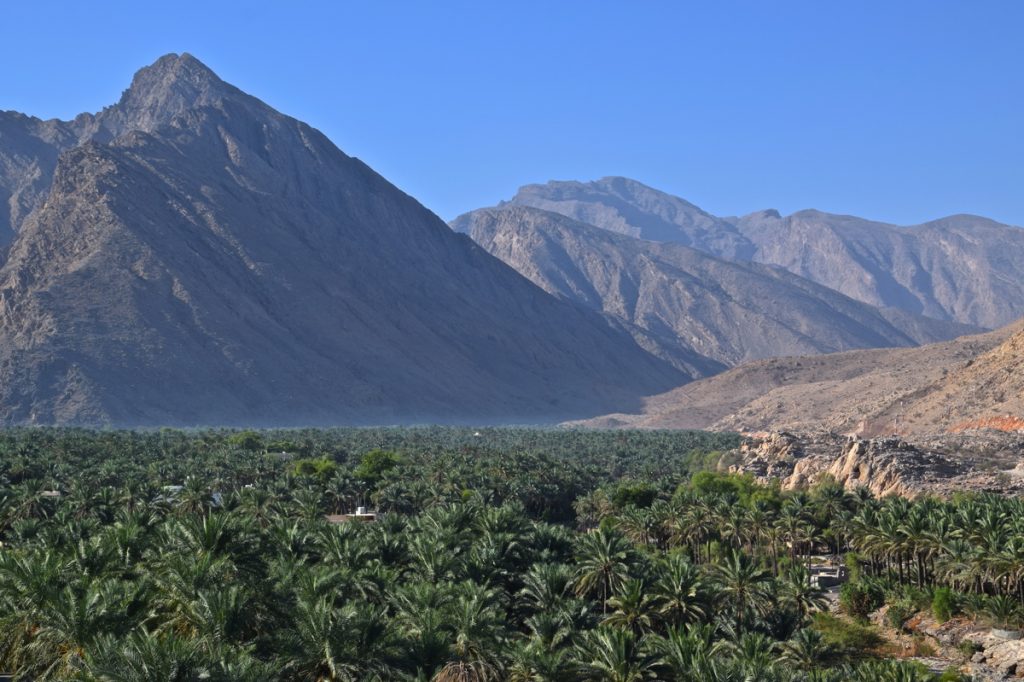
(900, 111)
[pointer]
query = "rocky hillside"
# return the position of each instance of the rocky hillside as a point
(931, 465)
(728, 311)
(932, 388)
(987, 390)
(963, 268)
(30, 147)
(191, 256)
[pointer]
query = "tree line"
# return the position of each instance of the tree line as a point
(499, 554)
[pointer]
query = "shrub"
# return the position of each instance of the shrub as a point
(634, 494)
(853, 640)
(321, 468)
(900, 611)
(852, 562)
(967, 649)
(923, 647)
(858, 599)
(1003, 612)
(375, 464)
(712, 483)
(246, 440)
(942, 604)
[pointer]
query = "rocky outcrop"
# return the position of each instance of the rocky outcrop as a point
(885, 466)
(996, 656)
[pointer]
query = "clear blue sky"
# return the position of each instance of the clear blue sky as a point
(900, 111)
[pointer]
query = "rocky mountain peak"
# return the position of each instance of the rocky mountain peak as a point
(171, 76)
(629, 207)
(171, 86)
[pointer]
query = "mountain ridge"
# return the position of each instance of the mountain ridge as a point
(960, 268)
(199, 258)
(728, 311)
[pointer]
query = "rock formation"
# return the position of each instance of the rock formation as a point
(940, 465)
(939, 387)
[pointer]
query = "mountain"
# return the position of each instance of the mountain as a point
(962, 268)
(190, 256)
(30, 147)
(727, 311)
(627, 207)
(973, 381)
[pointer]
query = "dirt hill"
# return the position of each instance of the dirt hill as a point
(869, 393)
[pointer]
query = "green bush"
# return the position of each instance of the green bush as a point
(858, 599)
(852, 562)
(942, 604)
(950, 675)
(1003, 612)
(246, 440)
(900, 611)
(321, 468)
(712, 483)
(853, 640)
(375, 464)
(634, 494)
(967, 649)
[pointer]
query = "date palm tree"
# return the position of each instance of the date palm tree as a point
(614, 655)
(603, 563)
(806, 649)
(679, 591)
(632, 608)
(743, 588)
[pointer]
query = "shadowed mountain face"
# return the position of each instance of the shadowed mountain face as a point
(191, 256)
(29, 147)
(728, 311)
(962, 268)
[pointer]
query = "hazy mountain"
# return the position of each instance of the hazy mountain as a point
(627, 207)
(973, 380)
(728, 311)
(191, 256)
(963, 268)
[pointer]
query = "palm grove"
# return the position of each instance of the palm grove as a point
(506, 554)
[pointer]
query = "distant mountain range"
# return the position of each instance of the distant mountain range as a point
(688, 300)
(962, 268)
(190, 256)
(779, 296)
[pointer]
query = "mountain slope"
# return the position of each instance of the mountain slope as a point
(730, 312)
(203, 259)
(869, 392)
(30, 147)
(627, 207)
(963, 268)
